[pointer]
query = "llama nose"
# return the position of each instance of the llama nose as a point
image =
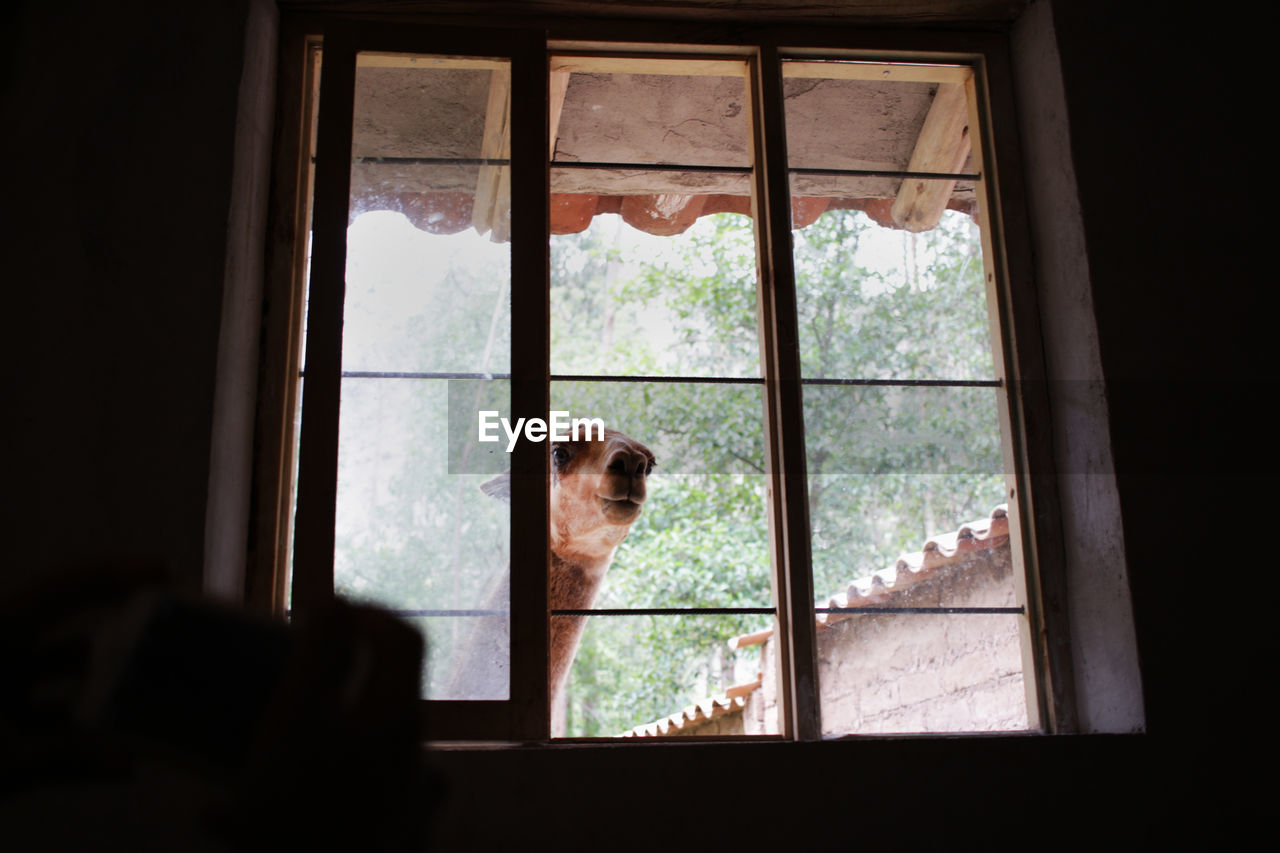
(631, 465)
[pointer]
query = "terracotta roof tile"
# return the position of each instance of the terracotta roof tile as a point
(937, 551)
(882, 587)
(443, 212)
(699, 712)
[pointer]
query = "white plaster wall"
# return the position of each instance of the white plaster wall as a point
(236, 384)
(1108, 683)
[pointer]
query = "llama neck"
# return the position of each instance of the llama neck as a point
(573, 587)
(575, 581)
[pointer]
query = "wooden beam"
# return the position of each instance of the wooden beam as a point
(737, 12)
(375, 59)
(558, 87)
(891, 71)
(650, 65)
(491, 210)
(943, 146)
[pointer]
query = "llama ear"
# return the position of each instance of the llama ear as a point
(499, 487)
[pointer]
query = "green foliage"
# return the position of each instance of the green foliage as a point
(888, 466)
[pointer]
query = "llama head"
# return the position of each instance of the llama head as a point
(598, 489)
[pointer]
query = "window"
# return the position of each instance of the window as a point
(778, 268)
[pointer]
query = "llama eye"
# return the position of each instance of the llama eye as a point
(559, 455)
(648, 469)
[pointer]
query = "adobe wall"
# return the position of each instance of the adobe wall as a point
(896, 673)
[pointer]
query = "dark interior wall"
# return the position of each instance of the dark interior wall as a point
(119, 122)
(1164, 111)
(119, 147)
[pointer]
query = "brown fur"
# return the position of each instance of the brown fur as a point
(597, 492)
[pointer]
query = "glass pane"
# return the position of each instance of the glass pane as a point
(427, 297)
(894, 673)
(667, 676)
(428, 268)
(880, 302)
(910, 203)
(483, 641)
(869, 116)
(693, 428)
(898, 258)
(901, 405)
(665, 285)
(629, 303)
(897, 673)
(674, 111)
(654, 200)
(884, 549)
(425, 303)
(895, 429)
(891, 469)
(653, 274)
(702, 540)
(412, 534)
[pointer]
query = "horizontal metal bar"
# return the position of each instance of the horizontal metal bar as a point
(1009, 611)
(705, 380)
(434, 161)
(887, 173)
(409, 374)
(671, 611)
(718, 611)
(665, 167)
(427, 613)
(908, 383)
(729, 380)
(650, 167)
(412, 374)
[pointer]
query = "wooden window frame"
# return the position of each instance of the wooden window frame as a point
(1035, 524)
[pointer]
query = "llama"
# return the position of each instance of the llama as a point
(598, 489)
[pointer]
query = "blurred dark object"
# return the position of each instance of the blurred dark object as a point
(133, 718)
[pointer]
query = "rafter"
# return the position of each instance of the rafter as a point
(491, 212)
(943, 146)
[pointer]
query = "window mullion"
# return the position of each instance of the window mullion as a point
(780, 356)
(1034, 528)
(530, 384)
(318, 449)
